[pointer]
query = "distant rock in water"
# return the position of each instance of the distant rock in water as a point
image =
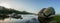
(16, 16)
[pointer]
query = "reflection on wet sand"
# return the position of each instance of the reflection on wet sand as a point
(4, 21)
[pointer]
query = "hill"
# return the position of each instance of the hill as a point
(4, 10)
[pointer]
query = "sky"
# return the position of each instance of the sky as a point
(33, 6)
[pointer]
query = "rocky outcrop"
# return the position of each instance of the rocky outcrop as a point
(43, 15)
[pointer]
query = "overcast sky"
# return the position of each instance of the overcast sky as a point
(33, 6)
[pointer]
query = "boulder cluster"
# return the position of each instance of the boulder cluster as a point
(44, 15)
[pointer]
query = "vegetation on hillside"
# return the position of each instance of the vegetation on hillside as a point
(4, 10)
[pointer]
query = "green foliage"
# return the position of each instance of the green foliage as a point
(57, 18)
